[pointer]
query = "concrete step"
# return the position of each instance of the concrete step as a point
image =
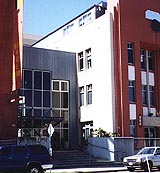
(76, 158)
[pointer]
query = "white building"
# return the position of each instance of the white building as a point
(91, 38)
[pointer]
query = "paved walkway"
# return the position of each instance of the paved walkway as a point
(81, 170)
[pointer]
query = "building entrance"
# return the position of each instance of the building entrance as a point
(87, 129)
(150, 134)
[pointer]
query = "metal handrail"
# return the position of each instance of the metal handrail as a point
(101, 147)
(106, 148)
(82, 150)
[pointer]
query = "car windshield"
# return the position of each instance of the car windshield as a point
(146, 151)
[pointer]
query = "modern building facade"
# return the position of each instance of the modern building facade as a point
(136, 57)
(49, 95)
(90, 36)
(116, 73)
(118, 49)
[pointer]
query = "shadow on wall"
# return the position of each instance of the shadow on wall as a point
(111, 148)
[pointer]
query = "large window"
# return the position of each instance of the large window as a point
(60, 91)
(147, 60)
(144, 94)
(27, 82)
(150, 60)
(37, 98)
(37, 80)
(85, 95)
(36, 93)
(151, 94)
(132, 91)
(60, 103)
(46, 81)
(130, 53)
(148, 94)
(150, 133)
(133, 128)
(84, 60)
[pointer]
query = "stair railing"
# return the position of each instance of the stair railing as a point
(82, 150)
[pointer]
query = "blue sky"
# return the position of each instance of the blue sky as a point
(43, 16)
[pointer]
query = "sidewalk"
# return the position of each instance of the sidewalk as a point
(81, 170)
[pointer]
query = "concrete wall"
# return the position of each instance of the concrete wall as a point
(123, 147)
(113, 149)
(101, 147)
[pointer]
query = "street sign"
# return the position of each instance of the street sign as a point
(50, 130)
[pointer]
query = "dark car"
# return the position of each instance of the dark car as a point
(29, 158)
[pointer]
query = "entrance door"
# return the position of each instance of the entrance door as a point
(87, 130)
(150, 135)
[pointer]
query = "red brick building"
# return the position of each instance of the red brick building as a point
(10, 66)
(137, 62)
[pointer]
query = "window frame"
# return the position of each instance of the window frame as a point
(152, 95)
(89, 94)
(143, 59)
(42, 89)
(144, 95)
(81, 93)
(88, 54)
(81, 61)
(132, 95)
(150, 59)
(130, 52)
(133, 127)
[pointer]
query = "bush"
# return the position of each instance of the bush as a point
(101, 133)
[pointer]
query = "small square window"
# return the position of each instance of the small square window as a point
(56, 85)
(64, 86)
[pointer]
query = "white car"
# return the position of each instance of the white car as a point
(146, 158)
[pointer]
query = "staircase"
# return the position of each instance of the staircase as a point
(78, 159)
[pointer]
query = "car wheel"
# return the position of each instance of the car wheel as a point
(34, 169)
(146, 166)
(130, 169)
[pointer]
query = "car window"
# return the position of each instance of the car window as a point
(6, 151)
(158, 151)
(38, 149)
(146, 151)
(19, 150)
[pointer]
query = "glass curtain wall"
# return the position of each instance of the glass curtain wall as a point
(42, 97)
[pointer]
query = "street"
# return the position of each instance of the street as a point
(137, 171)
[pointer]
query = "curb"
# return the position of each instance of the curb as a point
(91, 170)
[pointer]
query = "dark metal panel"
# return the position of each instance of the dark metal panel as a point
(63, 67)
